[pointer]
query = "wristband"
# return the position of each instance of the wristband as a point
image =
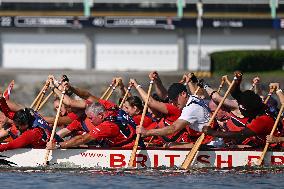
(185, 84)
(138, 86)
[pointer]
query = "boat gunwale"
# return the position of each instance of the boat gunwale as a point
(170, 149)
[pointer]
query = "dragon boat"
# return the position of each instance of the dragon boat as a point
(150, 158)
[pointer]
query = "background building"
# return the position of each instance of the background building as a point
(124, 35)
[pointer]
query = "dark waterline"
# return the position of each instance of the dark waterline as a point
(144, 179)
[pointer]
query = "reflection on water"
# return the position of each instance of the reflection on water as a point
(144, 178)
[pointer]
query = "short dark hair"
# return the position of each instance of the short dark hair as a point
(23, 117)
(135, 101)
(175, 89)
(251, 101)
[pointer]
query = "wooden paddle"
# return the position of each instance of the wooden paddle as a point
(190, 156)
(40, 99)
(221, 85)
(125, 96)
(106, 92)
(113, 89)
(196, 91)
(54, 126)
(45, 100)
(269, 95)
(259, 162)
(134, 150)
(39, 94)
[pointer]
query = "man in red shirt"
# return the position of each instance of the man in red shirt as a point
(107, 129)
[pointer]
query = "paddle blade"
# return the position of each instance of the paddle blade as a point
(190, 156)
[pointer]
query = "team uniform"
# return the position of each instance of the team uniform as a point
(30, 138)
(36, 137)
(146, 122)
(117, 129)
(167, 120)
(261, 126)
(197, 114)
(13, 132)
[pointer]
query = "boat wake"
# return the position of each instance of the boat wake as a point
(160, 171)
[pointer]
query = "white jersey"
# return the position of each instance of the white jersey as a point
(196, 113)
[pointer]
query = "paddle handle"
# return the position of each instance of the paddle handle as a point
(106, 92)
(269, 95)
(38, 96)
(54, 126)
(220, 86)
(189, 158)
(125, 96)
(45, 100)
(41, 97)
(134, 150)
(267, 98)
(39, 101)
(259, 162)
(113, 89)
(196, 91)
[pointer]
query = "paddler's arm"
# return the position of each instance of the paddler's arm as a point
(274, 139)
(73, 142)
(84, 94)
(27, 138)
(69, 101)
(14, 106)
(175, 127)
(217, 98)
(159, 87)
(278, 92)
(239, 135)
(152, 103)
(63, 132)
(64, 120)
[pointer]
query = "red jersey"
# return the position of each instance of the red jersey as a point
(13, 133)
(173, 114)
(235, 123)
(73, 116)
(85, 126)
(261, 126)
(110, 133)
(5, 109)
(168, 119)
(30, 138)
(146, 123)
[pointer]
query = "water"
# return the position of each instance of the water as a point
(142, 179)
